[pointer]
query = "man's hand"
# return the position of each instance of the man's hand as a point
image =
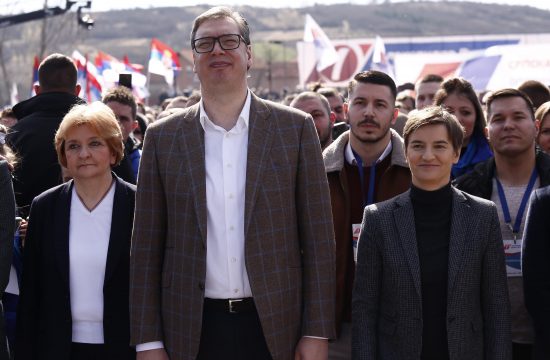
(311, 349)
(155, 354)
(23, 231)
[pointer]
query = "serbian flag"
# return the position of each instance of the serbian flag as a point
(104, 61)
(325, 53)
(132, 67)
(35, 66)
(110, 68)
(163, 61)
(88, 77)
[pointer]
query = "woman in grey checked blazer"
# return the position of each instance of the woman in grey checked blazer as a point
(430, 280)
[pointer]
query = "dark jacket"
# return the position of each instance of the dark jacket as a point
(127, 169)
(32, 138)
(395, 180)
(7, 229)
(480, 181)
(44, 323)
(536, 269)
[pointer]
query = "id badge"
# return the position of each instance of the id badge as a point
(512, 252)
(356, 232)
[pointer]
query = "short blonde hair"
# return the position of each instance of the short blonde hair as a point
(542, 111)
(101, 119)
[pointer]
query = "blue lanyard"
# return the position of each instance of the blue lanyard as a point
(370, 196)
(521, 210)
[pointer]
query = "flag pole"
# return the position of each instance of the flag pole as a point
(148, 81)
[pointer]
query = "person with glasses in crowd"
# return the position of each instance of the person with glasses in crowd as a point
(233, 246)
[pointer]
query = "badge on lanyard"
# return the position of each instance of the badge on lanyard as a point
(512, 252)
(512, 248)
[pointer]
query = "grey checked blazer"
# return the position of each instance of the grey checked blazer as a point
(387, 303)
(289, 240)
(7, 230)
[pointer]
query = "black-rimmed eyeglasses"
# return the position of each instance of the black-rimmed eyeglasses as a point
(227, 42)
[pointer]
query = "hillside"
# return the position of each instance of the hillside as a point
(130, 31)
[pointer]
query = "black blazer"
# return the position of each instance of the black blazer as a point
(44, 323)
(536, 269)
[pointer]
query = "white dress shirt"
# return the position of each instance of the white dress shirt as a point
(225, 159)
(350, 158)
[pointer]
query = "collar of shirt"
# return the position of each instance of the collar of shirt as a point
(348, 153)
(240, 125)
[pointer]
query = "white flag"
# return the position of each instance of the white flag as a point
(325, 53)
(14, 94)
(380, 60)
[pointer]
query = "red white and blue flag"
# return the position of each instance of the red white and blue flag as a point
(110, 68)
(164, 61)
(88, 77)
(35, 66)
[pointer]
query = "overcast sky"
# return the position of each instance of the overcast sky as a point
(16, 6)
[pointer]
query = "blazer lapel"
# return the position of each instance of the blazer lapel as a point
(191, 147)
(259, 145)
(121, 225)
(61, 225)
(404, 223)
(461, 223)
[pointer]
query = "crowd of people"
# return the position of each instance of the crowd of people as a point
(375, 222)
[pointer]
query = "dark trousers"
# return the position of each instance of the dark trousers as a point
(521, 351)
(231, 336)
(81, 351)
(87, 351)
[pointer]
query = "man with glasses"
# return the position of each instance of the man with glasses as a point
(233, 246)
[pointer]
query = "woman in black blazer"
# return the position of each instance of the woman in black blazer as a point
(75, 288)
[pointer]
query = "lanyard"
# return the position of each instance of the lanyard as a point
(521, 210)
(370, 195)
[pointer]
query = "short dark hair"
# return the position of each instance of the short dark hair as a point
(464, 88)
(123, 95)
(57, 72)
(435, 115)
(431, 78)
(536, 91)
(220, 12)
(372, 77)
(508, 93)
(329, 92)
(312, 95)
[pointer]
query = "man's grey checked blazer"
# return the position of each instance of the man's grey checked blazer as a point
(387, 303)
(289, 240)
